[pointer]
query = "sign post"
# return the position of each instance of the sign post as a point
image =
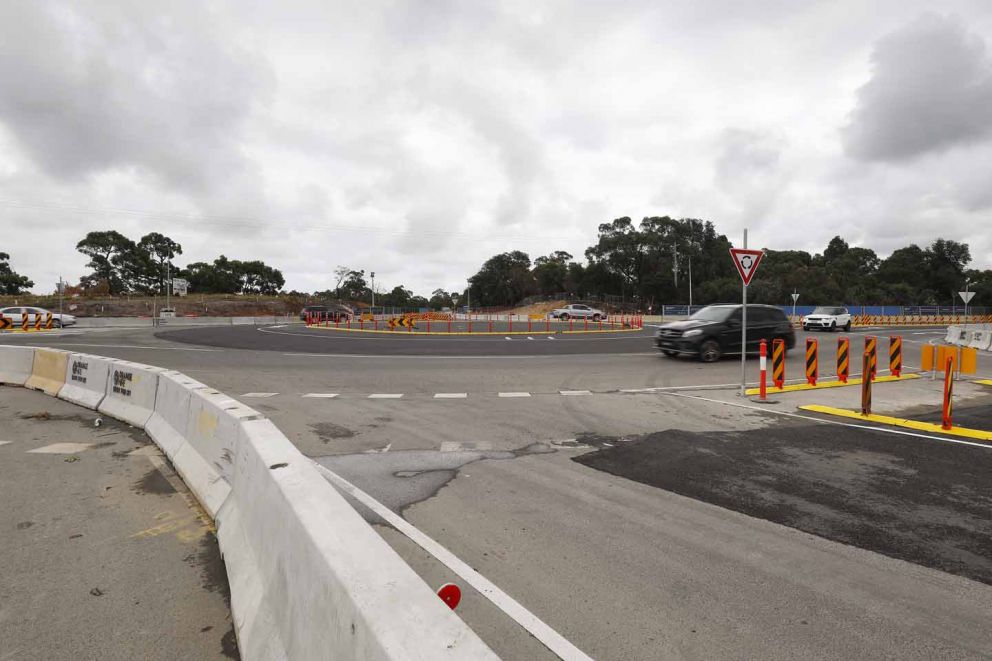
(795, 297)
(746, 261)
(966, 296)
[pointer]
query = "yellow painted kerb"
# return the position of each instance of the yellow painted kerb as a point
(829, 384)
(978, 434)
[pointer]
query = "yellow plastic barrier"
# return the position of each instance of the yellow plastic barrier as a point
(48, 371)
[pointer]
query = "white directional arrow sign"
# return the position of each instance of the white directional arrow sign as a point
(746, 262)
(966, 296)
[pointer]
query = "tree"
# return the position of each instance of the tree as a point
(10, 281)
(551, 272)
(105, 250)
(503, 279)
(162, 250)
(340, 273)
(947, 261)
(354, 287)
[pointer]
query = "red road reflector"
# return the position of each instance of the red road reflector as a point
(450, 594)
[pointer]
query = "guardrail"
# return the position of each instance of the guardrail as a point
(309, 577)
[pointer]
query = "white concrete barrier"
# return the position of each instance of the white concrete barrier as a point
(953, 333)
(15, 365)
(295, 548)
(86, 379)
(169, 423)
(131, 392)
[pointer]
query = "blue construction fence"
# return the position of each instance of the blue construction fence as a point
(878, 310)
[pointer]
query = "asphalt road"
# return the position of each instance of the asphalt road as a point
(104, 554)
(476, 449)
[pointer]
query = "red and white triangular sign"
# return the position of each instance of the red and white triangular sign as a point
(746, 262)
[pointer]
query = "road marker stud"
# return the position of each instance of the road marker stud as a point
(450, 594)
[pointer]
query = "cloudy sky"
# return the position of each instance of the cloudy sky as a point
(416, 139)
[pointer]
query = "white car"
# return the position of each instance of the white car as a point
(577, 311)
(16, 314)
(828, 319)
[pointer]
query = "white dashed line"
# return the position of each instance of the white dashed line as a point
(5, 442)
(321, 395)
(260, 394)
(574, 393)
(62, 448)
(514, 394)
(386, 395)
(508, 338)
(451, 395)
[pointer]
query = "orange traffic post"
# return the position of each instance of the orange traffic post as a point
(37, 321)
(778, 363)
(49, 322)
(509, 323)
(871, 346)
(843, 359)
(895, 355)
(865, 384)
(547, 321)
(948, 393)
(812, 366)
(470, 323)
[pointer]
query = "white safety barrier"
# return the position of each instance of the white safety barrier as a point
(979, 338)
(310, 579)
(294, 547)
(15, 365)
(953, 333)
(131, 392)
(86, 380)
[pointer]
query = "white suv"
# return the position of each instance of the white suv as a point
(828, 319)
(578, 311)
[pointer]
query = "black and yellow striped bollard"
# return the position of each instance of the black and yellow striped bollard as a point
(778, 363)
(895, 355)
(49, 321)
(843, 359)
(37, 321)
(812, 366)
(866, 383)
(25, 321)
(871, 348)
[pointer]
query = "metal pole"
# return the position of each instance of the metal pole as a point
(373, 292)
(690, 285)
(744, 329)
(61, 294)
(168, 281)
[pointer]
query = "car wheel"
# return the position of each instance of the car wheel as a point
(709, 352)
(564, 316)
(806, 328)
(56, 323)
(833, 326)
(596, 317)
(847, 327)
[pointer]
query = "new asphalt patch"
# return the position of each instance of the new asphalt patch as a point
(925, 502)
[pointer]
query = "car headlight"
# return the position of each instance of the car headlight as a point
(692, 333)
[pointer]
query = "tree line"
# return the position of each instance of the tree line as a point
(656, 261)
(119, 265)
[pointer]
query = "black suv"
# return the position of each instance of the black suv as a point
(716, 330)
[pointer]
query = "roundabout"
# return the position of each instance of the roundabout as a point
(330, 341)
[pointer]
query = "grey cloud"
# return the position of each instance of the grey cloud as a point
(88, 87)
(931, 88)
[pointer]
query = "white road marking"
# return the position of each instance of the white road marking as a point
(551, 639)
(131, 346)
(550, 338)
(514, 394)
(574, 393)
(5, 442)
(787, 414)
(321, 395)
(62, 448)
(381, 395)
(260, 395)
(529, 337)
(508, 338)
(451, 395)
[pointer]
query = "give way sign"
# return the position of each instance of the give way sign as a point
(746, 262)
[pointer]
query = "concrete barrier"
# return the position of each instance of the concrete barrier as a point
(980, 338)
(294, 548)
(15, 365)
(48, 371)
(131, 391)
(953, 333)
(169, 422)
(86, 379)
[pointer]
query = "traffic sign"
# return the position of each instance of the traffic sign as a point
(795, 297)
(746, 262)
(180, 286)
(966, 296)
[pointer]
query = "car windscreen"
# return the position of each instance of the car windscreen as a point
(826, 310)
(712, 314)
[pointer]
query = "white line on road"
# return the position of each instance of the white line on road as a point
(451, 395)
(385, 395)
(514, 394)
(321, 395)
(6, 442)
(260, 395)
(575, 393)
(128, 346)
(62, 448)
(551, 639)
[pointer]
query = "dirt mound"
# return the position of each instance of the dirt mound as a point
(538, 308)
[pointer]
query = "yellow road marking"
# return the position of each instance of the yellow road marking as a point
(979, 434)
(984, 382)
(829, 384)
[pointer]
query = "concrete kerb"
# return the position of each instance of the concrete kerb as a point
(295, 547)
(131, 389)
(16, 364)
(48, 371)
(86, 380)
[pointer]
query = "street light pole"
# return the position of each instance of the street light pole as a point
(372, 309)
